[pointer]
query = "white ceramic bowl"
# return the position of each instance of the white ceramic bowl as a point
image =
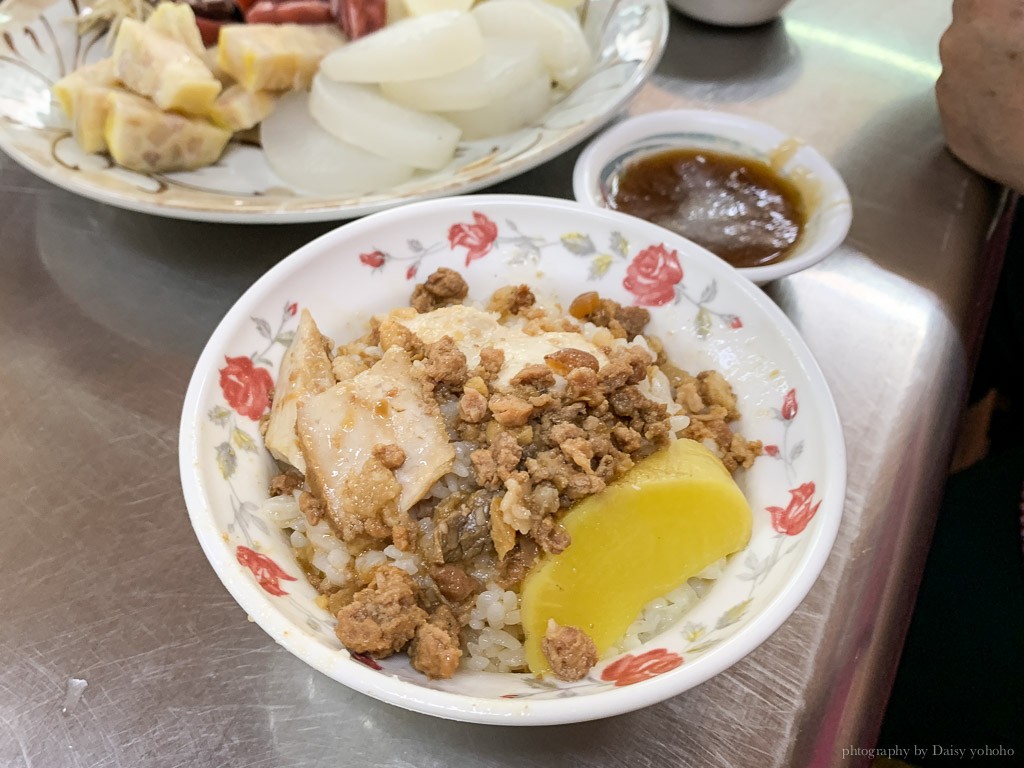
(825, 194)
(731, 13)
(707, 316)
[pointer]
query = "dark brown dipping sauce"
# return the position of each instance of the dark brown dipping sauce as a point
(736, 207)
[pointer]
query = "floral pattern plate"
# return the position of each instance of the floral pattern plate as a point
(39, 44)
(704, 312)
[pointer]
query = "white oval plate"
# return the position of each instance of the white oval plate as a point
(39, 44)
(707, 315)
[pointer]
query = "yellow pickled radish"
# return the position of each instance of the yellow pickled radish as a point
(663, 522)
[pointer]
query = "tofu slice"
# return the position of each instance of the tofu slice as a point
(275, 57)
(305, 372)
(238, 109)
(339, 428)
(141, 137)
(153, 65)
(177, 22)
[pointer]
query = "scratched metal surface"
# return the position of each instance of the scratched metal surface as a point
(103, 313)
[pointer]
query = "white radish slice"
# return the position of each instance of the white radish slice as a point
(410, 49)
(505, 67)
(563, 47)
(310, 159)
(359, 115)
(501, 116)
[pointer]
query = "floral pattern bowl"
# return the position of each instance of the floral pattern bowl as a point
(704, 312)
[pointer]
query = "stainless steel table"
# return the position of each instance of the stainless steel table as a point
(103, 313)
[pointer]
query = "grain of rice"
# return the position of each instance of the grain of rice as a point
(282, 511)
(338, 557)
(367, 561)
(476, 663)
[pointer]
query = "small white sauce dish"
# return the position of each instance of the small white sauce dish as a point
(826, 199)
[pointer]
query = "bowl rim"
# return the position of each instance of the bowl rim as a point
(632, 130)
(463, 707)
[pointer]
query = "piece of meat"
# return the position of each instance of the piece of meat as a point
(383, 405)
(368, 503)
(491, 362)
(311, 507)
(565, 360)
(538, 376)
(341, 596)
(628, 401)
(579, 451)
(394, 334)
(404, 535)
(551, 466)
(461, 529)
(305, 372)
(570, 652)
(435, 650)
(453, 582)
(291, 12)
(485, 468)
(633, 320)
(510, 299)
(543, 500)
(472, 406)
(625, 366)
(623, 322)
(510, 410)
(494, 465)
(626, 439)
(541, 401)
(550, 536)
(382, 618)
(446, 364)
(565, 430)
(518, 563)
(583, 385)
(742, 452)
(443, 288)
(688, 392)
(285, 484)
(580, 485)
(390, 455)
(359, 17)
(715, 390)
